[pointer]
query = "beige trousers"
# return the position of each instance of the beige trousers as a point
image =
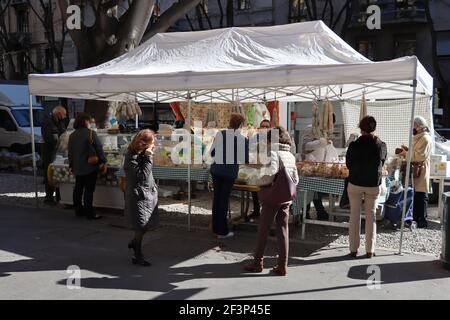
(355, 195)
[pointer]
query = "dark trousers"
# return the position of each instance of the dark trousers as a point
(84, 188)
(222, 190)
(420, 206)
(281, 215)
(256, 205)
(318, 204)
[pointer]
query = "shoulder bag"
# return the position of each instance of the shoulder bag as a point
(92, 154)
(282, 189)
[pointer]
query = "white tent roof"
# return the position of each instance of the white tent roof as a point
(295, 61)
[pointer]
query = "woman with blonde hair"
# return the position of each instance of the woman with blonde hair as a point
(141, 195)
(421, 152)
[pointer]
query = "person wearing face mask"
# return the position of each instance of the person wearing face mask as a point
(421, 152)
(92, 124)
(82, 143)
(52, 129)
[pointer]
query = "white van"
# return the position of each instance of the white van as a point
(15, 129)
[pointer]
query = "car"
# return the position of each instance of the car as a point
(15, 128)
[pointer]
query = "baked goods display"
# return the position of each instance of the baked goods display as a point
(322, 169)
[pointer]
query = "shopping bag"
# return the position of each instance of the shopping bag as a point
(393, 207)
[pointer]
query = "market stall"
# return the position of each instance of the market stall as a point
(292, 62)
(107, 193)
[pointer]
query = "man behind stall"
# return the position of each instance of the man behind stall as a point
(314, 149)
(264, 125)
(52, 129)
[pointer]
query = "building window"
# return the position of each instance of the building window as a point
(243, 4)
(366, 48)
(408, 9)
(405, 45)
(297, 11)
(22, 19)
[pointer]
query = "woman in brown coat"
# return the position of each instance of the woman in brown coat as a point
(421, 149)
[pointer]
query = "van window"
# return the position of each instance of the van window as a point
(22, 117)
(6, 122)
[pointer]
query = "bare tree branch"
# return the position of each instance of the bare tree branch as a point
(198, 13)
(35, 12)
(324, 10)
(331, 12)
(202, 7)
(230, 13)
(338, 17)
(308, 10)
(219, 2)
(170, 16)
(190, 22)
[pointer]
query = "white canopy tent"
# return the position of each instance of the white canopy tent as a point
(295, 62)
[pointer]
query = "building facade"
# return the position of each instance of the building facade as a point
(27, 47)
(407, 28)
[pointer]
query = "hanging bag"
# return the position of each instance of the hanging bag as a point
(92, 154)
(416, 169)
(282, 189)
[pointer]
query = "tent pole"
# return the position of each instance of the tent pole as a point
(33, 150)
(136, 116)
(189, 160)
(408, 165)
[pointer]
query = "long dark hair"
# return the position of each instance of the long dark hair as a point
(80, 120)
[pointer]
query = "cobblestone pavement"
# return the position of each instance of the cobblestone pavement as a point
(18, 189)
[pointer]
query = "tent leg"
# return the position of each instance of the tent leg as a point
(33, 149)
(189, 160)
(408, 166)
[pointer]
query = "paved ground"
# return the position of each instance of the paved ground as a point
(37, 245)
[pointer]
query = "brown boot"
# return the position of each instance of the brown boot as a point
(255, 266)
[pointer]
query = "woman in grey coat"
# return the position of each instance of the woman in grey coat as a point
(141, 195)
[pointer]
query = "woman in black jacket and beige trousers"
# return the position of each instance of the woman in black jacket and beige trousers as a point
(365, 159)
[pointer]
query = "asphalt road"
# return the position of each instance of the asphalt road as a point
(38, 245)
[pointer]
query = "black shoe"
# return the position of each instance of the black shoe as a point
(141, 262)
(49, 201)
(307, 215)
(138, 257)
(423, 224)
(94, 217)
(254, 215)
(323, 216)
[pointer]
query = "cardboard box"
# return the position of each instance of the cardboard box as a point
(438, 158)
(440, 169)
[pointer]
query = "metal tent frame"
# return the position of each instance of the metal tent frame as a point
(288, 93)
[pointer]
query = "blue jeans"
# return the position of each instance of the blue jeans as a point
(222, 190)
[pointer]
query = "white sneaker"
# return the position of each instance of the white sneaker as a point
(229, 235)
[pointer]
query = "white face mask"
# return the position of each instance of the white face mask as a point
(92, 126)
